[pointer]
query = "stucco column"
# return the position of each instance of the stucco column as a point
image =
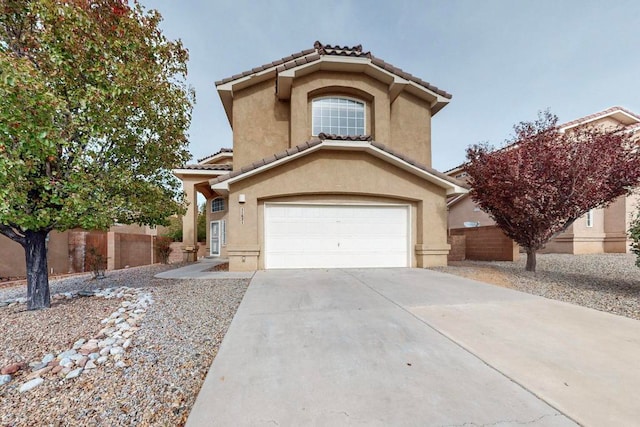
(189, 223)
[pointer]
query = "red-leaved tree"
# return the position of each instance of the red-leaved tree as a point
(544, 179)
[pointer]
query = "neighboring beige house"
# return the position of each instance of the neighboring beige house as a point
(330, 167)
(599, 231)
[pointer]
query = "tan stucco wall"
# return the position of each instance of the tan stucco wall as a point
(466, 210)
(618, 218)
(411, 127)
(260, 124)
(336, 175)
(264, 125)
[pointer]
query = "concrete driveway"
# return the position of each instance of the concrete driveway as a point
(416, 347)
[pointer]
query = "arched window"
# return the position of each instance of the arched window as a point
(338, 116)
(217, 204)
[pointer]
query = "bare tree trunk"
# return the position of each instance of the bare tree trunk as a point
(531, 260)
(35, 250)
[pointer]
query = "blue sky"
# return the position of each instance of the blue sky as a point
(502, 60)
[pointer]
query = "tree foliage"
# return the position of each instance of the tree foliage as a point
(174, 229)
(634, 233)
(544, 179)
(94, 109)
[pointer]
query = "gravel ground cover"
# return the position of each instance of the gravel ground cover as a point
(165, 366)
(605, 282)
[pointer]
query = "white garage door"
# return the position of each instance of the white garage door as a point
(336, 236)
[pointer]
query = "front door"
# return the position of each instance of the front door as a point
(215, 238)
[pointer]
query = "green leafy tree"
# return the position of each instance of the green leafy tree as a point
(174, 230)
(634, 233)
(94, 109)
(202, 223)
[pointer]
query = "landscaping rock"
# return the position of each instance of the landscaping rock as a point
(73, 373)
(36, 366)
(39, 373)
(11, 369)
(89, 348)
(66, 362)
(30, 385)
(66, 354)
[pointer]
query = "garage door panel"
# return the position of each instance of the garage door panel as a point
(336, 236)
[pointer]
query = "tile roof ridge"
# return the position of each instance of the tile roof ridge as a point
(319, 50)
(222, 150)
(205, 166)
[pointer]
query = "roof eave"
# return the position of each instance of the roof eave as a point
(181, 172)
(449, 187)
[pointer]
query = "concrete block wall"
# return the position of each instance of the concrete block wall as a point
(12, 258)
(68, 252)
(129, 250)
(458, 247)
(487, 244)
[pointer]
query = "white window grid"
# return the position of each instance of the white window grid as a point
(338, 116)
(217, 205)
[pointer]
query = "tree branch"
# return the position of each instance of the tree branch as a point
(13, 234)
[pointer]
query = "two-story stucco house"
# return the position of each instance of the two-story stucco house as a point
(600, 230)
(330, 167)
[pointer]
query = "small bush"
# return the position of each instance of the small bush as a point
(634, 233)
(97, 262)
(163, 249)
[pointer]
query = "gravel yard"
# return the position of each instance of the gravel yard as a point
(171, 349)
(606, 282)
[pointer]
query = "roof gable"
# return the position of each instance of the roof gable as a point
(621, 115)
(331, 58)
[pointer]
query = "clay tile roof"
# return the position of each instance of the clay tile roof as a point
(267, 66)
(333, 137)
(208, 167)
(222, 150)
(313, 142)
(319, 49)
